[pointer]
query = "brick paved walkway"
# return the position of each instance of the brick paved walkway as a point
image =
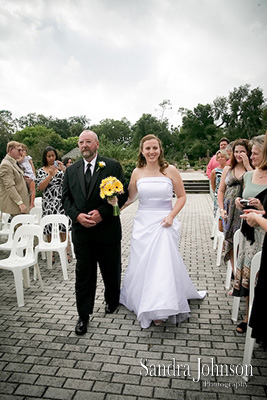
(41, 358)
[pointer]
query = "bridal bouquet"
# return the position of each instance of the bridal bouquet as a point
(109, 188)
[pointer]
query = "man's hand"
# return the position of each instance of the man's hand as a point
(85, 220)
(95, 216)
(89, 220)
(23, 208)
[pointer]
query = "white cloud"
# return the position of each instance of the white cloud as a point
(121, 58)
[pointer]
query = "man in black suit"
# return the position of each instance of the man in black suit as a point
(96, 233)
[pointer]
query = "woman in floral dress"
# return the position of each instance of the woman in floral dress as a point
(230, 188)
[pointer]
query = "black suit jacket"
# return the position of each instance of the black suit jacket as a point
(76, 201)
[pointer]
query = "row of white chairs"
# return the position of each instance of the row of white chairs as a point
(5, 217)
(254, 268)
(4, 229)
(19, 262)
(249, 343)
(218, 238)
(255, 265)
(20, 247)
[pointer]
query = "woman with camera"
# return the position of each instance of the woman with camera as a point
(49, 180)
(251, 238)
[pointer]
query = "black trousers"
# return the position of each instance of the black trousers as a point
(108, 257)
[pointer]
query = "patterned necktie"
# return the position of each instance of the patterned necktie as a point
(88, 176)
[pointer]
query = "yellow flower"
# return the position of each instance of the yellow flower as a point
(110, 186)
(108, 189)
(118, 186)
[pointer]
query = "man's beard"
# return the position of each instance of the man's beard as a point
(88, 154)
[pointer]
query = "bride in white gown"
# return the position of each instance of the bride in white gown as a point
(156, 286)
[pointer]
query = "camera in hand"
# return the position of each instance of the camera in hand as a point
(244, 202)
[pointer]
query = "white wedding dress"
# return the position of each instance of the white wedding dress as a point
(156, 284)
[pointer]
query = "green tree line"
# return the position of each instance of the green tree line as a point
(242, 114)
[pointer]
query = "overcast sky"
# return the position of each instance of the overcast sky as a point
(121, 58)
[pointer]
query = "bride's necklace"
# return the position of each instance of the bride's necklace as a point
(153, 172)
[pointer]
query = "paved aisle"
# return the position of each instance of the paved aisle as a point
(41, 358)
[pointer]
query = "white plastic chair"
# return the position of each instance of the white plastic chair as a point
(218, 238)
(38, 202)
(236, 300)
(249, 344)
(16, 220)
(55, 244)
(37, 212)
(214, 226)
(229, 265)
(18, 264)
(4, 224)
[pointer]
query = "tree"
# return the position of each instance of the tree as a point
(198, 132)
(114, 130)
(264, 120)
(149, 125)
(78, 124)
(64, 127)
(241, 114)
(165, 105)
(37, 138)
(70, 143)
(7, 127)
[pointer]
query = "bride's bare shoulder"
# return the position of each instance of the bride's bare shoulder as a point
(171, 171)
(136, 174)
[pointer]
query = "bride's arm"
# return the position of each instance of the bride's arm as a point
(132, 189)
(178, 188)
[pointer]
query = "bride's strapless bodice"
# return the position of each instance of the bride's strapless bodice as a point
(155, 193)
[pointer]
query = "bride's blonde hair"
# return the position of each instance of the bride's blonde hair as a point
(141, 161)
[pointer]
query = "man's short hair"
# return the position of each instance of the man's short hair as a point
(11, 145)
(224, 139)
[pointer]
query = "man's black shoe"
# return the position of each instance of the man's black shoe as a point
(81, 326)
(109, 309)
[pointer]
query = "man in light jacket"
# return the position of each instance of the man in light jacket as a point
(14, 195)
